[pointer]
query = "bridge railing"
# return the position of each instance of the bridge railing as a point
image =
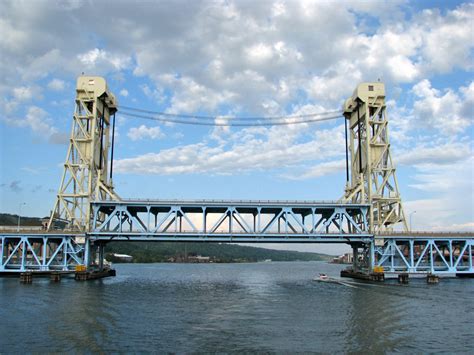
(219, 220)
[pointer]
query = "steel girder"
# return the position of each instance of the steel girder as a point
(41, 252)
(230, 221)
(436, 255)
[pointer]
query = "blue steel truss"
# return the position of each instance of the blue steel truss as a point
(230, 221)
(448, 254)
(238, 221)
(41, 252)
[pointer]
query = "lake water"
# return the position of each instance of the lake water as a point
(264, 307)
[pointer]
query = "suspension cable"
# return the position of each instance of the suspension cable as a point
(202, 117)
(230, 124)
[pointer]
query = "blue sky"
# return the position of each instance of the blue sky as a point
(241, 58)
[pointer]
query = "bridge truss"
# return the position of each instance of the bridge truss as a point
(230, 221)
(435, 254)
(443, 254)
(41, 252)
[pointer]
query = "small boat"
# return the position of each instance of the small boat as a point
(322, 277)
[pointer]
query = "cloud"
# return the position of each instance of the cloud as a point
(437, 154)
(37, 120)
(33, 171)
(59, 138)
(253, 149)
(451, 190)
(124, 92)
(101, 59)
(444, 111)
(448, 40)
(57, 85)
(455, 177)
(23, 93)
(205, 57)
(144, 132)
(156, 94)
(322, 169)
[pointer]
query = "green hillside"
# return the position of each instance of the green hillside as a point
(147, 252)
(7, 219)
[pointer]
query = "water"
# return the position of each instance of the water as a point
(264, 307)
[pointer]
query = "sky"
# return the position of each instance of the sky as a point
(242, 58)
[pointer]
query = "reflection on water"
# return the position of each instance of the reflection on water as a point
(265, 307)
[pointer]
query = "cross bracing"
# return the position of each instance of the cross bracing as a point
(436, 254)
(245, 221)
(41, 252)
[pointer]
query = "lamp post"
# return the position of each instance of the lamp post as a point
(19, 214)
(411, 214)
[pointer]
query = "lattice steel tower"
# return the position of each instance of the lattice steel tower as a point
(85, 177)
(372, 176)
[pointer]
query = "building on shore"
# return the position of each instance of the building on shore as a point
(346, 258)
(190, 259)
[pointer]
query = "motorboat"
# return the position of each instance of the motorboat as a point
(321, 277)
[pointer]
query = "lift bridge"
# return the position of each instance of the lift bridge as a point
(88, 213)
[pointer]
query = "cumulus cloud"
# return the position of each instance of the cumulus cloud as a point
(23, 93)
(144, 132)
(57, 85)
(99, 58)
(238, 54)
(445, 111)
(124, 92)
(37, 120)
(245, 150)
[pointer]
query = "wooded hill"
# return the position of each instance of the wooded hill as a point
(7, 219)
(149, 252)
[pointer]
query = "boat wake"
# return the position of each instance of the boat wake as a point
(326, 278)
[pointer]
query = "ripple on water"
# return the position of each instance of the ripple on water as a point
(267, 307)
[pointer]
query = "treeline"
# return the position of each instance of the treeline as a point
(7, 219)
(153, 252)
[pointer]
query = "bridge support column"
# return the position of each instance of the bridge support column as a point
(355, 260)
(101, 256)
(87, 252)
(371, 262)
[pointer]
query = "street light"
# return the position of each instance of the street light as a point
(19, 214)
(411, 214)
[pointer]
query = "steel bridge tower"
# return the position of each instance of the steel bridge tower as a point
(370, 170)
(86, 172)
